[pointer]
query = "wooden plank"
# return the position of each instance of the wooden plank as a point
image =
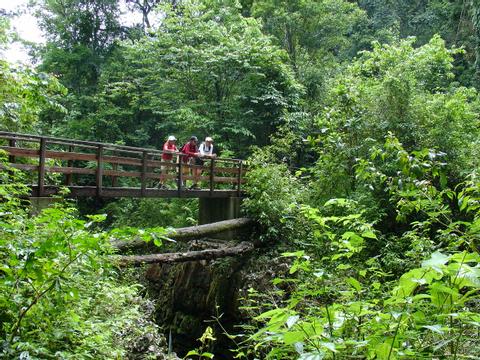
(41, 167)
(26, 167)
(63, 155)
(232, 170)
(227, 180)
(99, 180)
(59, 155)
(216, 179)
(12, 144)
(109, 192)
(137, 174)
(21, 152)
(212, 172)
(70, 170)
(158, 164)
(239, 182)
(143, 178)
(115, 168)
(180, 178)
(121, 160)
(69, 177)
(11, 158)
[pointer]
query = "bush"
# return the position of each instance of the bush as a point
(59, 294)
(272, 198)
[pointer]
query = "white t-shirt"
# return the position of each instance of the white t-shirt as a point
(205, 150)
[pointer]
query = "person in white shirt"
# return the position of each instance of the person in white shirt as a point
(206, 148)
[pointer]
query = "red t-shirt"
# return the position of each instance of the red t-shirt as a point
(189, 149)
(168, 147)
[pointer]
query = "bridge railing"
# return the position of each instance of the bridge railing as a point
(94, 169)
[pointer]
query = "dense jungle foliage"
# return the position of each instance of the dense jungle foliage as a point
(360, 122)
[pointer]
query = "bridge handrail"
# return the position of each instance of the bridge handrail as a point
(89, 144)
(145, 161)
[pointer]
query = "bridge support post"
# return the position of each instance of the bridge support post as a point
(218, 209)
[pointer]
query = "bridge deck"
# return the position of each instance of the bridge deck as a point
(108, 170)
(117, 192)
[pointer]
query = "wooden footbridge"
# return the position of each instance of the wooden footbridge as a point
(106, 170)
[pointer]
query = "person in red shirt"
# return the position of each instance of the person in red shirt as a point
(169, 148)
(190, 150)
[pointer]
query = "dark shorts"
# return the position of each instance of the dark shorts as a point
(198, 161)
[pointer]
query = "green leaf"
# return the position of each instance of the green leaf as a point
(329, 345)
(192, 352)
(207, 355)
(312, 356)
(435, 328)
(292, 320)
(436, 261)
(369, 234)
(292, 337)
(355, 284)
(382, 351)
(297, 254)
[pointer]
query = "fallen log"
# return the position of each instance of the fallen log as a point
(187, 233)
(210, 254)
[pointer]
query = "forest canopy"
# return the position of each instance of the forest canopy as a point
(359, 122)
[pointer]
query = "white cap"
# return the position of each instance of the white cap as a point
(172, 138)
(209, 139)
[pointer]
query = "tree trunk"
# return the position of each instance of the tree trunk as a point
(188, 233)
(210, 254)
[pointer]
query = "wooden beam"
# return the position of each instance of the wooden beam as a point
(119, 192)
(12, 144)
(239, 182)
(99, 180)
(212, 172)
(143, 183)
(20, 152)
(70, 170)
(69, 176)
(114, 177)
(41, 167)
(180, 179)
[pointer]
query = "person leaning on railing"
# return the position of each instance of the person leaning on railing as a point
(169, 149)
(191, 157)
(206, 149)
(206, 152)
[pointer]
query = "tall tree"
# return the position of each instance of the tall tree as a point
(455, 21)
(316, 34)
(203, 72)
(145, 7)
(24, 92)
(80, 34)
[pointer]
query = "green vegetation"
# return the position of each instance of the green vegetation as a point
(60, 296)
(402, 288)
(360, 121)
